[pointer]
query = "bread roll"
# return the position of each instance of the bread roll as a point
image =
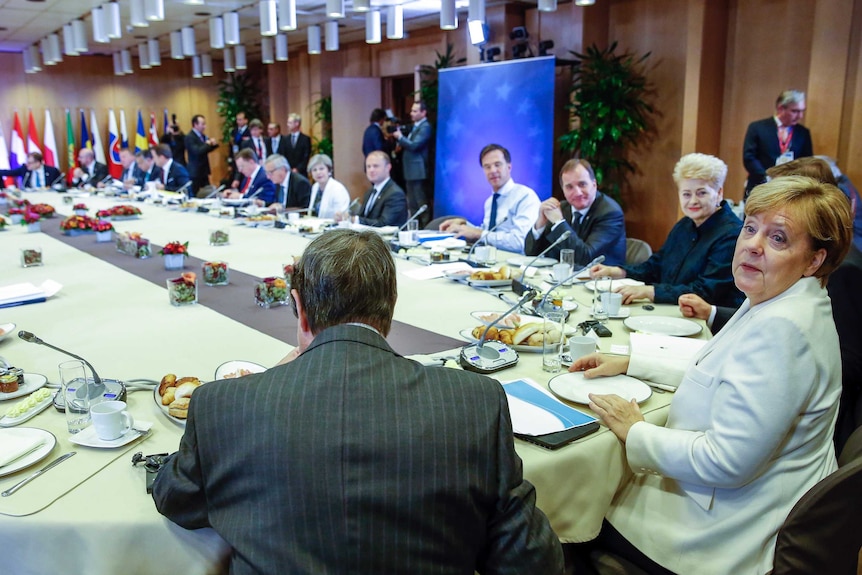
(536, 339)
(183, 380)
(524, 332)
(170, 380)
(169, 396)
(186, 389)
(180, 408)
(505, 272)
(506, 336)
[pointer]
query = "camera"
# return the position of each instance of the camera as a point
(393, 125)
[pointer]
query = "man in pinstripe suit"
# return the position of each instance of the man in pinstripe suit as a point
(348, 458)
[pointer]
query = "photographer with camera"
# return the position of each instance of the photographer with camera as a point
(175, 138)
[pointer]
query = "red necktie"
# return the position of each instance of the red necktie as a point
(247, 184)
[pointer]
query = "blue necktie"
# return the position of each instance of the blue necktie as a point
(492, 221)
(38, 184)
(576, 222)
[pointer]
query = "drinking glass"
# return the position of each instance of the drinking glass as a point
(601, 285)
(76, 393)
(413, 228)
(568, 257)
(552, 344)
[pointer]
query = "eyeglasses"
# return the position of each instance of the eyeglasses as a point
(151, 462)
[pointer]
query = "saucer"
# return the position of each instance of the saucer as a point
(88, 438)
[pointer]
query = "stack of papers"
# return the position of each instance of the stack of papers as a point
(26, 293)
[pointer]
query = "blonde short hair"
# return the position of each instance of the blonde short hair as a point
(701, 167)
(823, 210)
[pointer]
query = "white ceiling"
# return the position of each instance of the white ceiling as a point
(25, 22)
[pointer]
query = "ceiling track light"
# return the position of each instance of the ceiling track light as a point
(127, 62)
(144, 56)
(114, 25)
(335, 8)
(584, 2)
(268, 18)
(154, 10)
(361, 5)
(216, 33)
(69, 40)
(314, 39)
(79, 33)
(35, 62)
(189, 45)
(448, 15)
(476, 11)
(206, 65)
(231, 28)
(138, 17)
(281, 54)
(100, 33)
(332, 36)
(155, 52)
(547, 5)
(395, 22)
(47, 56)
(239, 53)
(196, 67)
(373, 33)
(118, 63)
(287, 15)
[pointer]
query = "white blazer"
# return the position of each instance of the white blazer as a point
(335, 199)
(748, 433)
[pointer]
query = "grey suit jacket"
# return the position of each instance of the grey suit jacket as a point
(389, 209)
(415, 157)
(352, 459)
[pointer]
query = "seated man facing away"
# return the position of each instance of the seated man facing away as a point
(595, 220)
(516, 204)
(351, 458)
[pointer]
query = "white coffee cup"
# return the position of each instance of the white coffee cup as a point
(150, 186)
(406, 238)
(561, 272)
(293, 217)
(611, 302)
(580, 346)
(111, 420)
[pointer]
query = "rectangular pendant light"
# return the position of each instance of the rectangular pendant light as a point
(547, 5)
(206, 65)
(54, 44)
(231, 28)
(281, 54)
(100, 34)
(395, 22)
(118, 63)
(196, 67)
(361, 5)
(112, 20)
(154, 10)
(335, 8)
(216, 33)
(79, 32)
(47, 58)
(35, 62)
(144, 56)
(127, 62)
(373, 32)
(448, 15)
(138, 17)
(476, 11)
(332, 36)
(69, 40)
(155, 52)
(287, 15)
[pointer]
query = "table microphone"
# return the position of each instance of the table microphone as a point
(491, 356)
(596, 261)
(418, 213)
(215, 192)
(518, 285)
(57, 180)
(484, 239)
(184, 187)
(105, 179)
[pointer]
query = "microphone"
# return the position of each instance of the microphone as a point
(58, 180)
(105, 179)
(184, 187)
(518, 285)
(98, 388)
(596, 261)
(491, 356)
(217, 191)
(418, 213)
(354, 207)
(485, 240)
(524, 299)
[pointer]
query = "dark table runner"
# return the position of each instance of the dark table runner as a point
(236, 300)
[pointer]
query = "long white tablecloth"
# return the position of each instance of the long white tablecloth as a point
(125, 327)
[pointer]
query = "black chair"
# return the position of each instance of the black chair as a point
(435, 223)
(852, 448)
(823, 532)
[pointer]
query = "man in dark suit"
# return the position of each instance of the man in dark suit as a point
(130, 174)
(778, 139)
(385, 204)
(414, 160)
(291, 189)
(298, 146)
(348, 457)
(176, 139)
(275, 142)
(174, 176)
(34, 173)
(90, 172)
(254, 183)
(373, 139)
(595, 220)
(147, 170)
(198, 147)
(256, 142)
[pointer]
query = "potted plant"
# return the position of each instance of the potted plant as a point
(610, 113)
(104, 231)
(31, 220)
(77, 225)
(174, 254)
(322, 111)
(80, 209)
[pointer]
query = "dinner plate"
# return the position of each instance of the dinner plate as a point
(231, 367)
(32, 382)
(463, 276)
(6, 329)
(26, 433)
(35, 410)
(528, 260)
(446, 244)
(590, 285)
(510, 321)
(468, 335)
(88, 438)
(663, 325)
(574, 387)
(164, 408)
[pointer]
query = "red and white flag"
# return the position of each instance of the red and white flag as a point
(49, 153)
(98, 150)
(4, 157)
(17, 152)
(154, 135)
(114, 165)
(32, 136)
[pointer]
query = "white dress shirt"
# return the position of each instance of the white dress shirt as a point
(520, 205)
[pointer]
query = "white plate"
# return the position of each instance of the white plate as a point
(614, 284)
(32, 382)
(574, 387)
(232, 366)
(7, 421)
(467, 334)
(663, 325)
(463, 276)
(88, 438)
(447, 244)
(30, 459)
(622, 314)
(164, 408)
(477, 315)
(524, 260)
(6, 329)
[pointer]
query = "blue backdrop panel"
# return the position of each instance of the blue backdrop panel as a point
(507, 103)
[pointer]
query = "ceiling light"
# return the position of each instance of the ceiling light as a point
(332, 36)
(314, 39)
(69, 40)
(188, 35)
(79, 32)
(228, 60)
(395, 22)
(47, 56)
(155, 52)
(281, 48)
(335, 8)
(287, 15)
(547, 5)
(361, 5)
(112, 20)
(196, 67)
(206, 65)
(35, 62)
(217, 33)
(231, 28)
(239, 52)
(372, 27)
(448, 15)
(144, 56)
(584, 2)
(267, 54)
(476, 11)
(177, 45)
(100, 33)
(154, 10)
(54, 45)
(118, 64)
(268, 18)
(138, 17)
(127, 61)
(478, 32)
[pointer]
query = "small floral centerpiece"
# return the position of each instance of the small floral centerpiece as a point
(121, 212)
(103, 230)
(270, 292)
(133, 244)
(183, 290)
(80, 209)
(77, 225)
(15, 214)
(215, 273)
(3, 223)
(44, 210)
(31, 220)
(174, 255)
(31, 257)
(219, 238)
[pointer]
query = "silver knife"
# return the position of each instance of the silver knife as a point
(30, 478)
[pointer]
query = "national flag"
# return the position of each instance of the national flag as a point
(85, 135)
(98, 150)
(4, 156)
(70, 147)
(140, 135)
(124, 136)
(17, 156)
(165, 124)
(154, 135)
(49, 152)
(114, 165)
(32, 136)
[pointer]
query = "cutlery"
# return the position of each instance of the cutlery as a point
(30, 478)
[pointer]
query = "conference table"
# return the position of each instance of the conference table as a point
(91, 514)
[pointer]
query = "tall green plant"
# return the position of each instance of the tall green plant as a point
(429, 83)
(322, 112)
(237, 93)
(611, 114)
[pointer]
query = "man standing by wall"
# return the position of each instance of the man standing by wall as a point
(298, 146)
(198, 146)
(415, 160)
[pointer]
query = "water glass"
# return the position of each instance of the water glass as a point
(552, 344)
(413, 228)
(601, 285)
(568, 257)
(76, 393)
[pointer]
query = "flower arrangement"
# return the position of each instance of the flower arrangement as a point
(80, 207)
(183, 290)
(133, 244)
(29, 217)
(102, 226)
(270, 292)
(16, 211)
(44, 210)
(215, 273)
(3, 222)
(81, 223)
(175, 248)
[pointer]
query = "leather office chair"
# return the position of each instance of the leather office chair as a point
(823, 532)
(435, 223)
(637, 251)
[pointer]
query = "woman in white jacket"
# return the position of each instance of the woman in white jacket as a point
(750, 427)
(328, 195)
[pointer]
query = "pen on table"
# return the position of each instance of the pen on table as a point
(662, 386)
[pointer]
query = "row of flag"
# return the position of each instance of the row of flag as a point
(16, 154)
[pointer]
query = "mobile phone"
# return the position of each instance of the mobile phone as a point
(151, 478)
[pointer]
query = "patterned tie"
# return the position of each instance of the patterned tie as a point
(492, 221)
